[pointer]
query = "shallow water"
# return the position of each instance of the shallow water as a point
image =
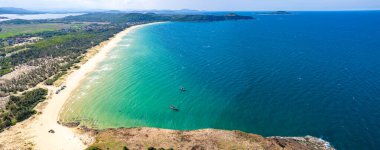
(310, 73)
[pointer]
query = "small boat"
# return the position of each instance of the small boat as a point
(174, 108)
(182, 89)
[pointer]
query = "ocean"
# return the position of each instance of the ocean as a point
(308, 73)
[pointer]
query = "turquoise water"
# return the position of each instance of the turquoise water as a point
(311, 73)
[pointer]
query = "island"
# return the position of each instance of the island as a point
(274, 13)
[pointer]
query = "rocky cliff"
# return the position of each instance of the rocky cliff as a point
(207, 139)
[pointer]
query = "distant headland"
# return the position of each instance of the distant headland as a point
(274, 13)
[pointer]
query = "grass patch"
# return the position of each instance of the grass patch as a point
(17, 29)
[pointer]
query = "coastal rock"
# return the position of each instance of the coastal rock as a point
(143, 138)
(71, 124)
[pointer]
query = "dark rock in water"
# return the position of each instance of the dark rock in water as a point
(71, 124)
(304, 142)
(174, 108)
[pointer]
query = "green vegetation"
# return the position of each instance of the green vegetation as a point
(54, 78)
(21, 107)
(6, 66)
(22, 28)
(122, 18)
(12, 49)
(16, 21)
(58, 52)
(73, 44)
(93, 148)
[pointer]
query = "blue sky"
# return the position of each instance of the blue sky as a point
(245, 5)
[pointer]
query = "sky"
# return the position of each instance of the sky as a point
(211, 5)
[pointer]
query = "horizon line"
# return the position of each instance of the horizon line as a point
(184, 9)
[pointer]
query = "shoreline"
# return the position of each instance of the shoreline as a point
(33, 132)
(112, 43)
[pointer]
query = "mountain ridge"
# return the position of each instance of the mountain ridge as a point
(14, 10)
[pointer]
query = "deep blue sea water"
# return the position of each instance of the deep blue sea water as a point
(309, 73)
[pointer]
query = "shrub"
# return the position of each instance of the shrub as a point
(93, 148)
(21, 107)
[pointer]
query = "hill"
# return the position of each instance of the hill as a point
(122, 18)
(12, 10)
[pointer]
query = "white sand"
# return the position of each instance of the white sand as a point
(35, 130)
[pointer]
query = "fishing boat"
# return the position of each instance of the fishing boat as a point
(174, 108)
(182, 89)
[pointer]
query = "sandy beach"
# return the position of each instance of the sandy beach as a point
(33, 132)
